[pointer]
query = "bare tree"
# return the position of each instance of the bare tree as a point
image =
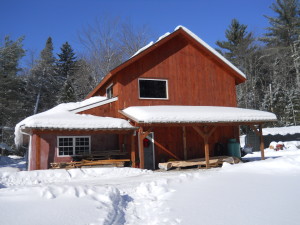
(109, 42)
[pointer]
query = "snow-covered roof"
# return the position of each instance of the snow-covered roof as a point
(198, 39)
(63, 117)
(195, 114)
(282, 130)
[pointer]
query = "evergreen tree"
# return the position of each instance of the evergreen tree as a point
(238, 45)
(66, 66)
(43, 81)
(66, 63)
(11, 85)
(240, 50)
(285, 27)
(282, 57)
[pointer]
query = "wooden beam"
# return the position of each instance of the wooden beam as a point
(199, 131)
(132, 153)
(38, 152)
(166, 150)
(212, 130)
(184, 143)
(206, 149)
(145, 134)
(205, 135)
(262, 145)
(141, 148)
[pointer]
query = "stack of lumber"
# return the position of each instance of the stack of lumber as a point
(90, 163)
(213, 162)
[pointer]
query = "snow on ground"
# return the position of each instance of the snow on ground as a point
(12, 163)
(258, 192)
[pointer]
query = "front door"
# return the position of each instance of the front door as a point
(149, 152)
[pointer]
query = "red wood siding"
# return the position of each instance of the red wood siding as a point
(172, 139)
(193, 77)
(48, 146)
(107, 110)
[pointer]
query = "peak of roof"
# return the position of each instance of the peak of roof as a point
(151, 45)
(199, 40)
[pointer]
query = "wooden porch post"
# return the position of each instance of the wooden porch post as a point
(133, 151)
(142, 136)
(141, 148)
(205, 135)
(38, 152)
(206, 149)
(184, 143)
(262, 145)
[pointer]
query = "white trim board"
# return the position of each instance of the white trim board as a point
(93, 105)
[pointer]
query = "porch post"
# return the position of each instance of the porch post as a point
(184, 143)
(133, 151)
(141, 148)
(206, 149)
(262, 145)
(205, 135)
(38, 152)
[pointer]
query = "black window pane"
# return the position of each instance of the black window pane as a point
(153, 89)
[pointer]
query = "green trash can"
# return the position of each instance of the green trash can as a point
(233, 148)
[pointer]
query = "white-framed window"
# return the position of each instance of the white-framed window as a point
(153, 88)
(109, 91)
(73, 145)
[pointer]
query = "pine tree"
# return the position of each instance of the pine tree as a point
(66, 63)
(239, 43)
(283, 34)
(43, 82)
(285, 27)
(11, 85)
(66, 66)
(240, 50)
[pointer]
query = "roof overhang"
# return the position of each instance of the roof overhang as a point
(195, 115)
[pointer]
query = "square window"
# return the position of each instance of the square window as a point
(153, 89)
(73, 145)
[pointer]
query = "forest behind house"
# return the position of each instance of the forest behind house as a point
(271, 63)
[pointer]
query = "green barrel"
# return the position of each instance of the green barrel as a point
(233, 148)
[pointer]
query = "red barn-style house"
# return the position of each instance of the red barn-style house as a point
(174, 99)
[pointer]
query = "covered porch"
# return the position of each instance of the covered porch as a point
(207, 123)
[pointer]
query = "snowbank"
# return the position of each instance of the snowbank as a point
(260, 192)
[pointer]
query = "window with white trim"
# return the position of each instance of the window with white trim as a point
(109, 91)
(73, 145)
(153, 88)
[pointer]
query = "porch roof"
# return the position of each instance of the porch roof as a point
(195, 114)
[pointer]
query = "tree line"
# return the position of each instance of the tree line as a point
(51, 78)
(271, 63)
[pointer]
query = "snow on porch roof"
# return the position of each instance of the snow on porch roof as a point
(282, 130)
(62, 117)
(195, 114)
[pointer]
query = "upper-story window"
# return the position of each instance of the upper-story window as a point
(109, 91)
(153, 88)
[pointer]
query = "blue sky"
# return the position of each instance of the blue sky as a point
(63, 19)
